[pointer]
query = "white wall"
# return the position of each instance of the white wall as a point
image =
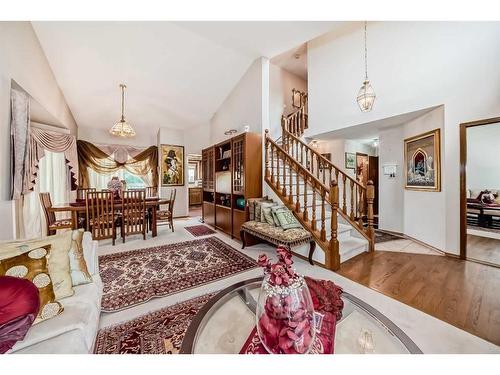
(418, 214)
(143, 138)
(412, 65)
(193, 140)
(391, 190)
(23, 60)
(242, 107)
(281, 83)
(483, 157)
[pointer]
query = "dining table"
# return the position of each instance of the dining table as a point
(78, 207)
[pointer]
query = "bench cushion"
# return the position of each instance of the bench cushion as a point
(277, 235)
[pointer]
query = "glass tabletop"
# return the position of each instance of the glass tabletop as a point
(225, 322)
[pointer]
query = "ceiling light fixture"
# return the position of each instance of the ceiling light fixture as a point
(122, 128)
(366, 94)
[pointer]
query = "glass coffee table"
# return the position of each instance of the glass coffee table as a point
(223, 325)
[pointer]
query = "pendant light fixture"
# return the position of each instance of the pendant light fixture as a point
(366, 94)
(122, 128)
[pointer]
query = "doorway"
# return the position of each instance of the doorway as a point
(480, 191)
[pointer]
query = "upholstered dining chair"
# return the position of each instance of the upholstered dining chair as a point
(101, 215)
(133, 213)
(167, 216)
(52, 223)
(81, 193)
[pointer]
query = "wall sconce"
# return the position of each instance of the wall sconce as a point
(314, 144)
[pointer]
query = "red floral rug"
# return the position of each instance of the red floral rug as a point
(199, 230)
(159, 332)
(136, 276)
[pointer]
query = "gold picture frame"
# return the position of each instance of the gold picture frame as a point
(422, 157)
(172, 165)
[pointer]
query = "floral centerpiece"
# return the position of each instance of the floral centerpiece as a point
(285, 313)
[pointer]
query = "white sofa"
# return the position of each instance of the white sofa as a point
(74, 330)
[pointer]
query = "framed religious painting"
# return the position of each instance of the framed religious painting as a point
(423, 162)
(350, 160)
(172, 165)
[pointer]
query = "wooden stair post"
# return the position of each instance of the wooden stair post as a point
(332, 257)
(370, 196)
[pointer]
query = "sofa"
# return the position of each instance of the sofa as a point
(74, 330)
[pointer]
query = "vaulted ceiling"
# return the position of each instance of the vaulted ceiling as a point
(177, 73)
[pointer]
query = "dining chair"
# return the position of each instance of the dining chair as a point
(133, 213)
(151, 191)
(81, 193)
(52, 223)
(101, 215)
(167, 216)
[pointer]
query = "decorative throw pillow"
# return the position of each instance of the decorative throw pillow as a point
(286, 219)
(258, 209)
(79, 271)
(487, 198)
(251, 207)
(32, 266)
(58, 262)
(273, 212)
(266, 216)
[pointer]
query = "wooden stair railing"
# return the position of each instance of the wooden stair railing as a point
(285, 174)
(299, 201)
(355, 200)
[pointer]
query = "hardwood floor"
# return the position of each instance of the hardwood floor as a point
(483, 248)
(462, 293)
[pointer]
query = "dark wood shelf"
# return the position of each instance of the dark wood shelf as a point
(245, 166)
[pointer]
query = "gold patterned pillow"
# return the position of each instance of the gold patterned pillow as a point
(79, 271)
(33, 266)
(58, 261)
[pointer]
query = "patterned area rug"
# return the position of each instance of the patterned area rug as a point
(136, 276)
(159, 332)
(385, 237)
(199, 230)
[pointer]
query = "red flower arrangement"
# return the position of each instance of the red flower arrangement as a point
(285, 319)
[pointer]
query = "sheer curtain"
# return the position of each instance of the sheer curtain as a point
(53, 178)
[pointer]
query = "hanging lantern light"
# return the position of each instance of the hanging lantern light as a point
(366, 95)
(122, 128)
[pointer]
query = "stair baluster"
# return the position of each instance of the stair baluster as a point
(344, 200)
(323, 216)
(352, 200)
(370, 195)
(305, 214)
(332, 258)
(313, 219)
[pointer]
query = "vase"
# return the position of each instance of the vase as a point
(285, 317)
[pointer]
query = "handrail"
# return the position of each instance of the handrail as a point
(295, 162)
(322, 158)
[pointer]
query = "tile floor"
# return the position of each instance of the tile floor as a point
(430, 334)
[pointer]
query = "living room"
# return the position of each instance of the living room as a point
(198, 186)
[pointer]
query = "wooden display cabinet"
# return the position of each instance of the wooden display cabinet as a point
(232, 173)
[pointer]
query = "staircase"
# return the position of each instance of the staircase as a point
(335, 208)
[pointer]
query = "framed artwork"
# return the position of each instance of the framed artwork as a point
(350, 160)
(172, 165)
(298, 98)
(423, 162)
(362, 161)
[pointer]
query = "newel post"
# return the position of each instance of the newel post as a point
(333, 255)
(370, 196)
(266, 151)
